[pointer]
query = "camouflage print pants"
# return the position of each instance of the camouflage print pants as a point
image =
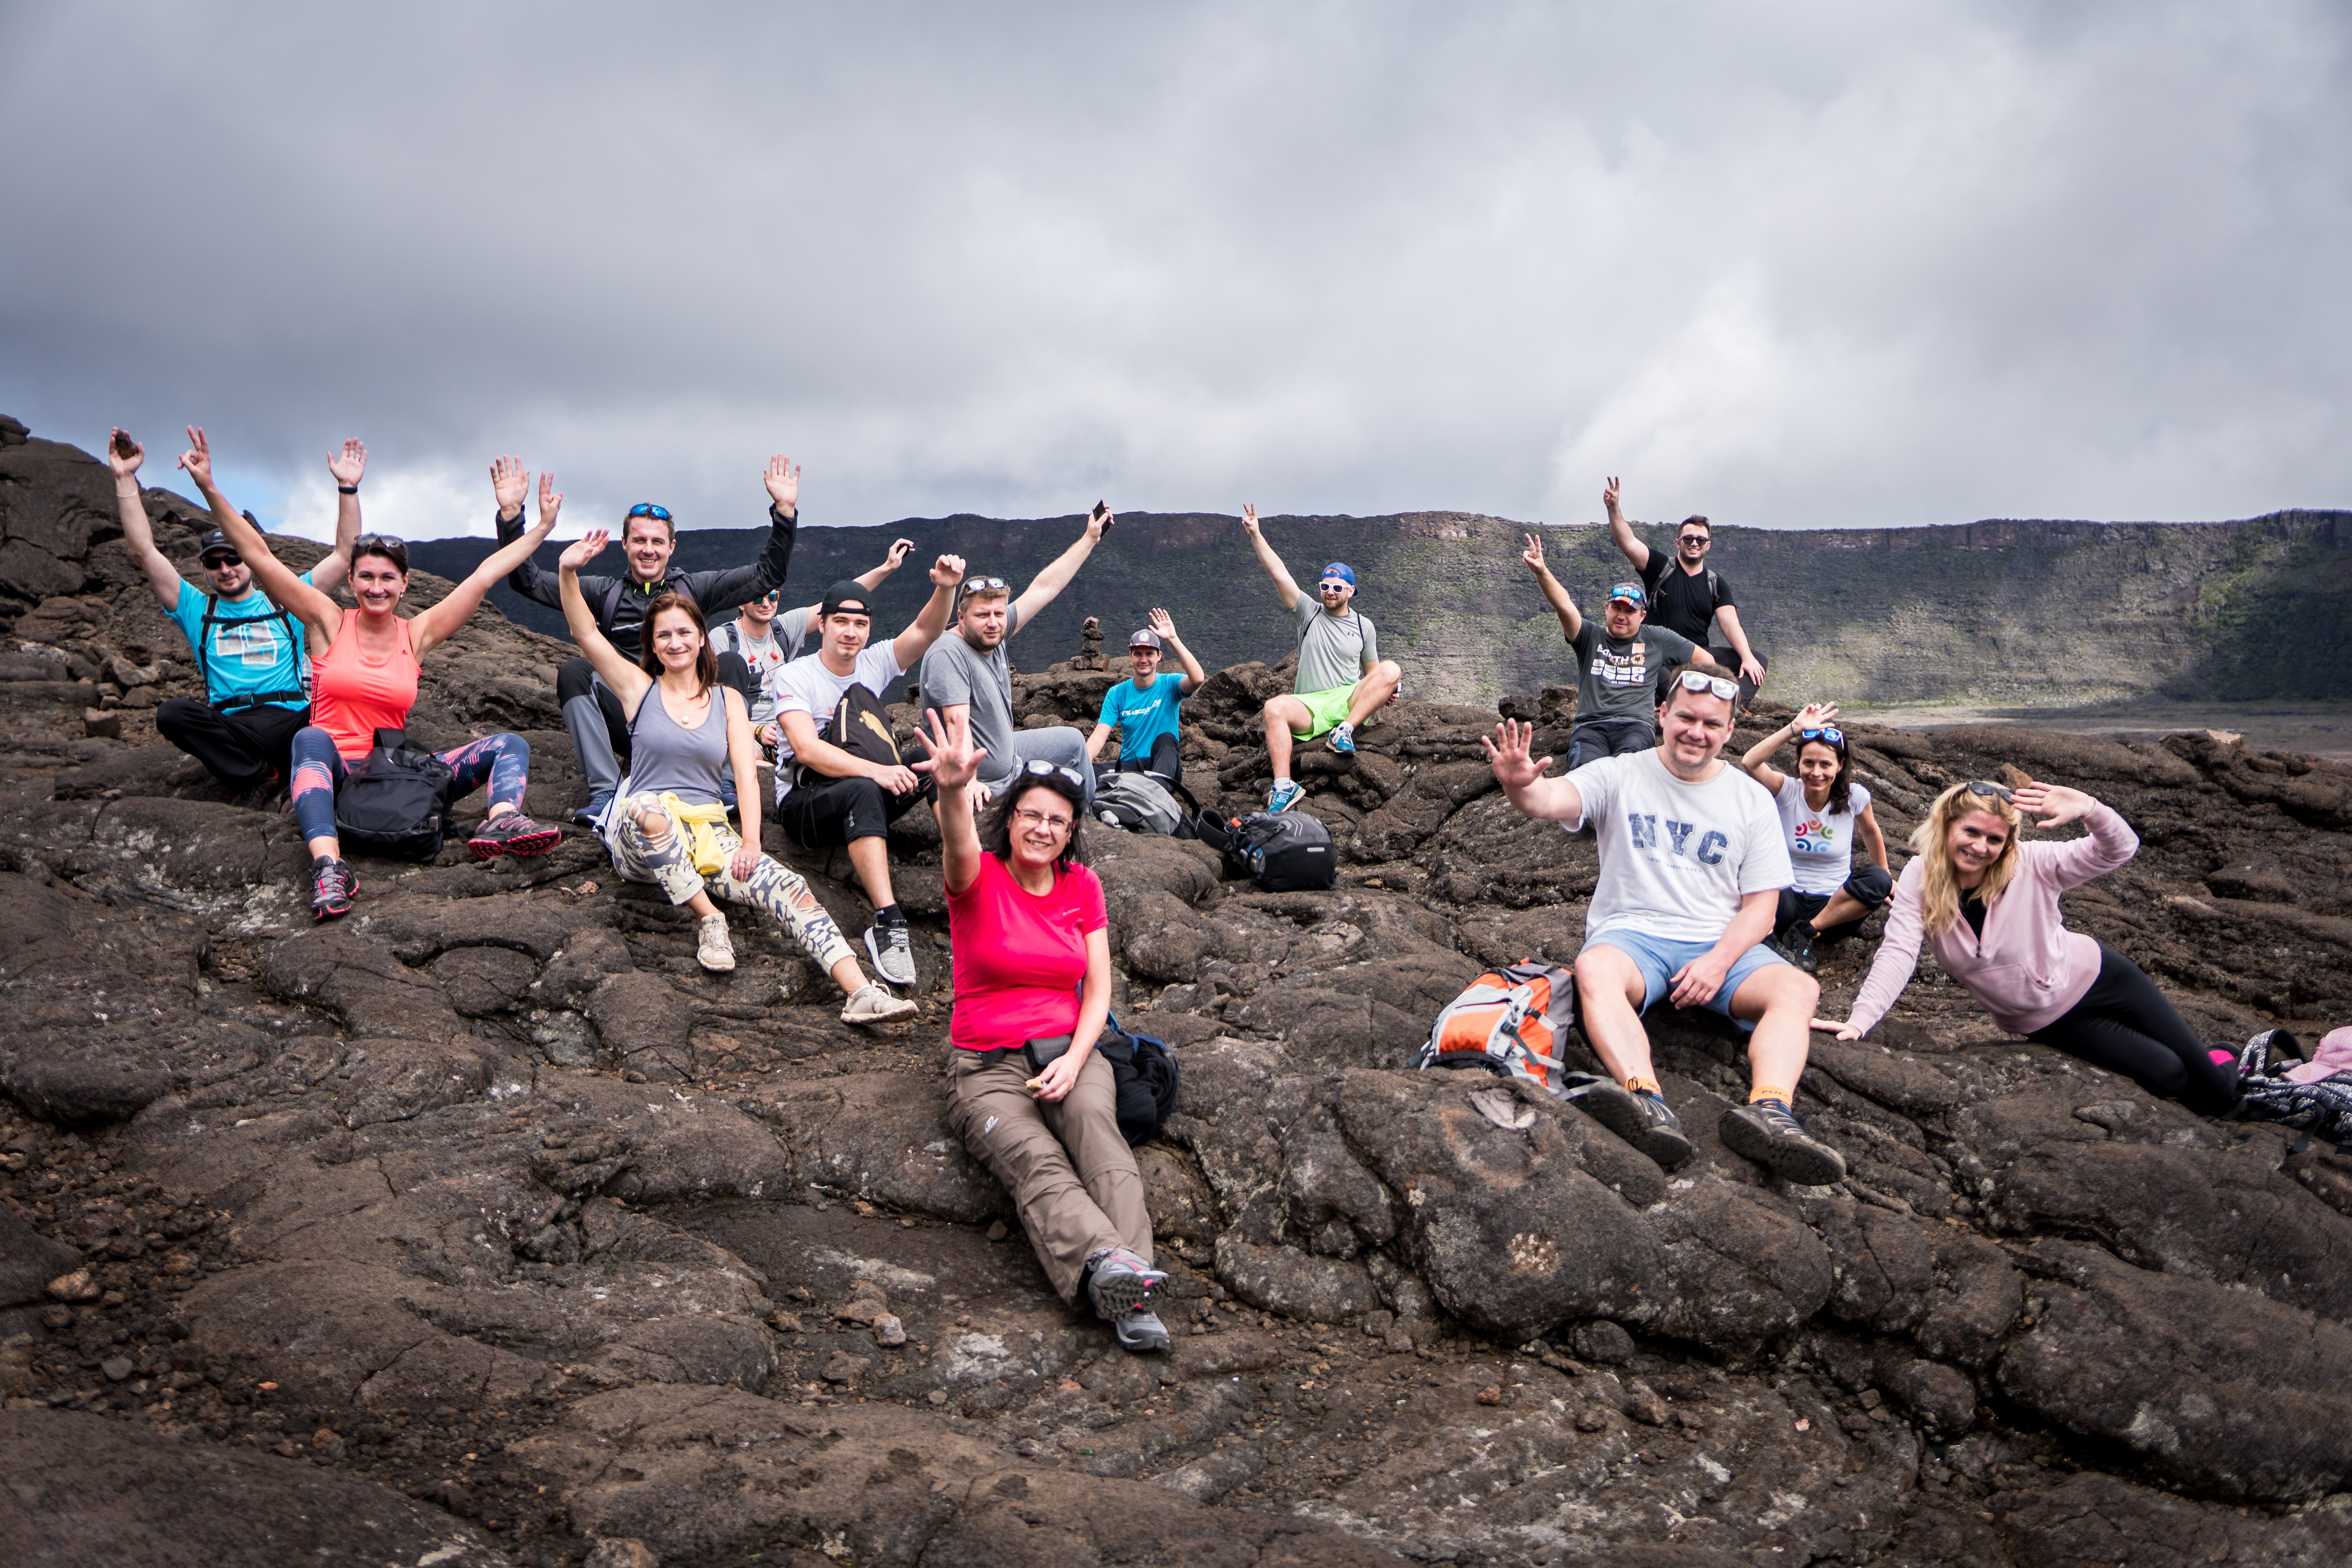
(669, 864)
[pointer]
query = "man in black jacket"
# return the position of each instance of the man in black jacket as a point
(599, 729)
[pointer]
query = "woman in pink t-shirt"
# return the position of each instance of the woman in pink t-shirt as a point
(1032, 951)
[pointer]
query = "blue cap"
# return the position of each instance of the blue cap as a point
(1341, 570)
(1632, 594)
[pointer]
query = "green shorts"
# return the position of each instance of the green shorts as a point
(1324, 710)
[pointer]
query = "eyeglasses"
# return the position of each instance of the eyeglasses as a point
(1039, 768)
(215, 562)
(1699, 680)
(1979, 786)
(985, 585)
(1028, 818)
(1830, 732)
(647, 508)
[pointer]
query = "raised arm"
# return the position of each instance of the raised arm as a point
(1621, 533)
(348, 467)
(1571, 620)
(278, 580)
(440, 622)
(1058, 572)
(741, 585)
(1284, 587)
(628, 682)
(1521, 776)
(510, 482)
(955, 766)
(125, 454)
(1193, 674)
(2111, 842)
(1758, 762)
(916, 641)
(873, 577)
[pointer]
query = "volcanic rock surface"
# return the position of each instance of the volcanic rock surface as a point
(481, 1226)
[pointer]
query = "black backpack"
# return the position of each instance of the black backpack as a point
(1145, 1073)
(1282, 852)
(396, 802)
(857, 725)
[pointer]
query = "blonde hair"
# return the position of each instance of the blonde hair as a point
(1940, 895)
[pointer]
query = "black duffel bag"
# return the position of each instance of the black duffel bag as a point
(396, 802)
(1281, 851)
(1146, 1076)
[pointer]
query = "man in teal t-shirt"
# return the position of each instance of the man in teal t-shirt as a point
(251, 653)
(1144, 709)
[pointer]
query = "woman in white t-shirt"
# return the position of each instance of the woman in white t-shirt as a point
(1821, 811)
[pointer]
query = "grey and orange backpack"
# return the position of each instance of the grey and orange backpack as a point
(1513, 1021)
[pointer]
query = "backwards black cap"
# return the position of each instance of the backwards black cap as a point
(850, 594)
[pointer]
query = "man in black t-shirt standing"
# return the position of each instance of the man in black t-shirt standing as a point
(1622, 665)
(1685, 596)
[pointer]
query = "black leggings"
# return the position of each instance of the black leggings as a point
(2125, 1024)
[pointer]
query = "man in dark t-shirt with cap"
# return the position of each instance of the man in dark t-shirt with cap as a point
(1622, 665)
(1685, 596)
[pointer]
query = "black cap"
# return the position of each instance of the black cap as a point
(850, 594)
(213, 542)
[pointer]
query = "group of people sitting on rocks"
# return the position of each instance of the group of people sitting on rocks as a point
(1711, 893)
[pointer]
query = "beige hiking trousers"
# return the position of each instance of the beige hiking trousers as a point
(1070, 1173)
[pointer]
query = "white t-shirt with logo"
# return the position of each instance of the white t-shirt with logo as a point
(765, 656)
(806, 685)
(1677, 858)
(1820, 843)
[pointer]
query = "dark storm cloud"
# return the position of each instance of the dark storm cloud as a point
(1819, 264)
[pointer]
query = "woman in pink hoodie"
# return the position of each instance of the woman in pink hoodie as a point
(1989, 906)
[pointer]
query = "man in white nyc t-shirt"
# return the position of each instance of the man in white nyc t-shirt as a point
(857, 799)
(1692, 864)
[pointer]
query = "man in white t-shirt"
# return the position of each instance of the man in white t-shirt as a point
(1692, 864)
(860, 798)
(765, 636)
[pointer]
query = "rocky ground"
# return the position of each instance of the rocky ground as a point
(482, 1227)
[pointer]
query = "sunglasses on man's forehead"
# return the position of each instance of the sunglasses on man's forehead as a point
(972, 585)
(647, 508)
(1699, 680)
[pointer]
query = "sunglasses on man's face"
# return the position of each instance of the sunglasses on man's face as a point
(215, 562)
(1830, 732)
(647, 508)
(1979, 786)
(1696, 539)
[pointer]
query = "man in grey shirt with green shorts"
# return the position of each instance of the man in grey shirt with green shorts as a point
(1341, 675)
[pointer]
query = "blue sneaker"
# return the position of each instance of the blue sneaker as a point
(587, 815)
(1343, 740)
(1285, 794)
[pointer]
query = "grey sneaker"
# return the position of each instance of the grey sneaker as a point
(1641, 1120)
(894, 958)
(873, 1004)
(1119, 1284)
(1770, 1133)
(712, 950)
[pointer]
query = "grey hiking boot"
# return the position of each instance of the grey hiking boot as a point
(873, 1005)
(1641, 1120)
(893, 956)
(1770, 1133)
(1119, 1283)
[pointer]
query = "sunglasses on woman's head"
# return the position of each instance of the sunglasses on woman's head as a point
(1699, 680)
(1978, 786)
(647, 508)
(380, 542)
(1830, 732)
(1039, 768)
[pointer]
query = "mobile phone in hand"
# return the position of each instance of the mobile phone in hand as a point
(1101, 513)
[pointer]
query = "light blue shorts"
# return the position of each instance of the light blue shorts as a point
(1661, 958)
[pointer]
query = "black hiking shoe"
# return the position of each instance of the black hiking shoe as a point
(1642, 1120)
(1770, 1133)
(1796, 945)
(260, 795)
(332, 888)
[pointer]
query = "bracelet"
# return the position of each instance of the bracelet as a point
(349, 489)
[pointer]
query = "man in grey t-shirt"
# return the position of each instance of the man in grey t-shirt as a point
(1621, 665)
(968, 680)
(1341, 675)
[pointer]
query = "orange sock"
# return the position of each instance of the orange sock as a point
(1644, 1086)
(1768, 1091)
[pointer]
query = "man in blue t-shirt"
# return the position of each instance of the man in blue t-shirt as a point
(251, 654)
(1144, 711)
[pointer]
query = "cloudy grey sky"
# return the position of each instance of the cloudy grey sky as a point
(1801, 264)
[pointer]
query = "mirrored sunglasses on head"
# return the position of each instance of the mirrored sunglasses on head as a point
(1984, 786)
(1699, 680)
(647, 508)
(379, 542)
(985, 585)
(1830, 732)
(1039, 768)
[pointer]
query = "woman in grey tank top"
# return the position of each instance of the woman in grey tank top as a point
(666, 825)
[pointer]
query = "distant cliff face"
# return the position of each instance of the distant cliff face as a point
(2009, 612)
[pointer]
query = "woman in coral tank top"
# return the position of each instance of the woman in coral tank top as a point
(365, 664)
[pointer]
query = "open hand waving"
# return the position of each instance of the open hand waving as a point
(2055, 804)
(954, 761)
(349, 464)
(584, 550)
(784, 485)
(510, 481)
(1514, 765)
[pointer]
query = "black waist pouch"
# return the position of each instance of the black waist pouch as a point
(1043, 1053)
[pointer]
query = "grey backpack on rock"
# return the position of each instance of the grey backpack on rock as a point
(1139, 803)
